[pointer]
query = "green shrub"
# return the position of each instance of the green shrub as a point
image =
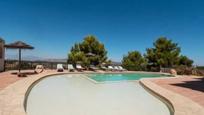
(134, 61)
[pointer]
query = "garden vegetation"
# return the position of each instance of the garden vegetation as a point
(164, 54)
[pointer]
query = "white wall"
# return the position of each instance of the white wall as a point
(2, 55)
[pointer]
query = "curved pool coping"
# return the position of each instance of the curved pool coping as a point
(166, 102)
(181, 105)
(161, 98)
(12, 98)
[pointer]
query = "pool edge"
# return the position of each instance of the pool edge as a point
(181, 105)
(160, 97)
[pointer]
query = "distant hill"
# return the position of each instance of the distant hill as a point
(34, 58)
(116, 63)
(29, 58)
(55, 60)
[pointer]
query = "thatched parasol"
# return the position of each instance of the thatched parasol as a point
(19, 45)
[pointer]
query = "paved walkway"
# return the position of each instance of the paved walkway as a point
(191, 87)
(181, 104)
(6, 78)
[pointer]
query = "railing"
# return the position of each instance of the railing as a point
(13, 64)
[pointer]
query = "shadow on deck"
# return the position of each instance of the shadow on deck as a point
(197, 84)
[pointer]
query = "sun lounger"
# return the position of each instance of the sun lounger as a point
(39, 69)
(93, 68)
(104, 68)
(70, 67)
(60, 68)
(115, 68)
(79, 67)
(121, 68)
(110, 68)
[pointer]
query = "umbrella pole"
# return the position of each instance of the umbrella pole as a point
(19, 61)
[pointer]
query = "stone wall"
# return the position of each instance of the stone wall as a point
(2, 55)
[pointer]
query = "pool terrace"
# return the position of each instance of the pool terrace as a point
(12, 96)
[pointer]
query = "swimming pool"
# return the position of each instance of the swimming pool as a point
(76, 95)
(123, 76)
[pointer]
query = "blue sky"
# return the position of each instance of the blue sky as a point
(53, 26)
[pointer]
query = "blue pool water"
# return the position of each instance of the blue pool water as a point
(126, 76)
